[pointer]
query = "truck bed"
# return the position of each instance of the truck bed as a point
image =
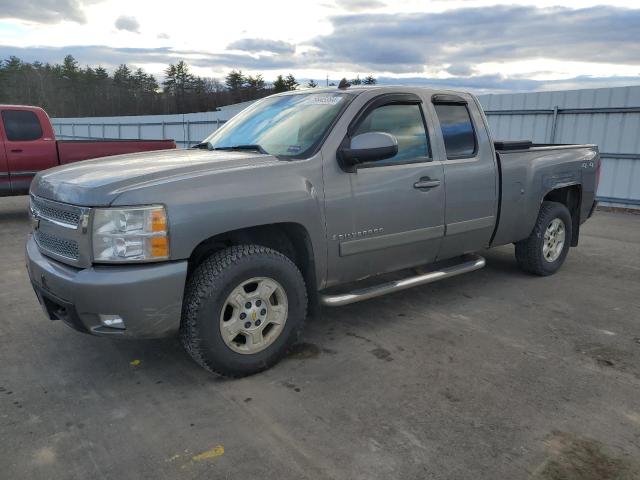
(523, 166)
(75, 150)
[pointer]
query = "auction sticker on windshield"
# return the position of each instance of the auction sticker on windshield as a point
(322, 100)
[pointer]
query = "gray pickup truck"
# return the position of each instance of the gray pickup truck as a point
(308, 198)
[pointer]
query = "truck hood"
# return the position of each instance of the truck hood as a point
(98, 182)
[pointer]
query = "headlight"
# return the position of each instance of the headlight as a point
(136, 234)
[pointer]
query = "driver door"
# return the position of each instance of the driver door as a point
(388, 214)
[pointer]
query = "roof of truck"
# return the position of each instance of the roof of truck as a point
(363, 88)
(20, 107)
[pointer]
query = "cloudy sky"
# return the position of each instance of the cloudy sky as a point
(491, 45)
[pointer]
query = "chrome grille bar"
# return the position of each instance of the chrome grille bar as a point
(63, 215)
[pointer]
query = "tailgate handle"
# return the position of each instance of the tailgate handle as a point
(426, 183)
(16, 150)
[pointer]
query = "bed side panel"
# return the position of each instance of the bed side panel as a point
(527, 176)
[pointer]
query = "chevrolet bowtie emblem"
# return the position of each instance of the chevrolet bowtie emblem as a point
(253, 316)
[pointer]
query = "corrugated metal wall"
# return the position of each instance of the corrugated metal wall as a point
(608, 117)
(186, 129)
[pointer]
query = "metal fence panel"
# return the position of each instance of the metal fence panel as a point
(186, 129)
(608, 117)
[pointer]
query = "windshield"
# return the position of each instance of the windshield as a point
(287, 126)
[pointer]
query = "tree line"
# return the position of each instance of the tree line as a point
(69, 90)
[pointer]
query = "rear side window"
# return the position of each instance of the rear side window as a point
(403, 122)
(457, 130)
(21, 125)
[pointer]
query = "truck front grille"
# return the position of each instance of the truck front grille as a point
(60, 230)
(67, 215)
(59, 246)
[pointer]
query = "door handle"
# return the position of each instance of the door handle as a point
(426, 183)
(16, 150)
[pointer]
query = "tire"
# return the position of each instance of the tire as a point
(209, 314)
(530, 253)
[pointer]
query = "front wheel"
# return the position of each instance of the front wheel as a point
(244, 307)
(545, 250)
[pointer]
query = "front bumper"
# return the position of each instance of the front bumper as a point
(147, 297)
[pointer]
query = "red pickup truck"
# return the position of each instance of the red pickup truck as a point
(28, 145)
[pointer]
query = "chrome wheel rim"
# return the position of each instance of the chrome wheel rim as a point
(253, 315)
(554, 237)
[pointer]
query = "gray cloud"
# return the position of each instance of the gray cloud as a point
(44, 11)
(359, 5)
(125, 22)
(501, 84)
(461, 69)
(407, 42)
(255, 45)
(163, 36)
(454, 41)
(112, 57)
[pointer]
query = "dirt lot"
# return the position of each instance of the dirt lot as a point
(491, 375)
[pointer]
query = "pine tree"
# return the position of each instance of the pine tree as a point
(254, 85)
(179, 83)
(234, 80)
(70, 67)
(66, 89)
(290, 82)
(122, 83)
(279, 85)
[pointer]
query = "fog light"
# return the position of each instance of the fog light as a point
(112, 321)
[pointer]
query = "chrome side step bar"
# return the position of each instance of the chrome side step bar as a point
(471, 263)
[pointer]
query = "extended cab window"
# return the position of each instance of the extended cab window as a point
(457, 130)
(21, 125)
(403, 122)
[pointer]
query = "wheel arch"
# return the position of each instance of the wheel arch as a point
(571, 197)
(289, 238)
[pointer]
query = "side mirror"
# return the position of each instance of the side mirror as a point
(369, 147)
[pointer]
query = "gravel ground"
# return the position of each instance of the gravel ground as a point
(492, 375)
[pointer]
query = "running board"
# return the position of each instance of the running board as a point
(470, 263)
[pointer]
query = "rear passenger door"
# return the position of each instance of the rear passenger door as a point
(470, 173)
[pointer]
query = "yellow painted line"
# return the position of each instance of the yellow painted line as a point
(213, 453)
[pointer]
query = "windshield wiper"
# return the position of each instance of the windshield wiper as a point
(204, 146)
(255, 147)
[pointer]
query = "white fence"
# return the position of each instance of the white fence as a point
(186, 129)
(608, 117)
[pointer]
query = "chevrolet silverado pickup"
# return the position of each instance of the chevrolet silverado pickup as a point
(28, 145)
(305, 199)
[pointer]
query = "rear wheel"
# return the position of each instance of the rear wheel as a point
(244, 307)
(545, 250)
